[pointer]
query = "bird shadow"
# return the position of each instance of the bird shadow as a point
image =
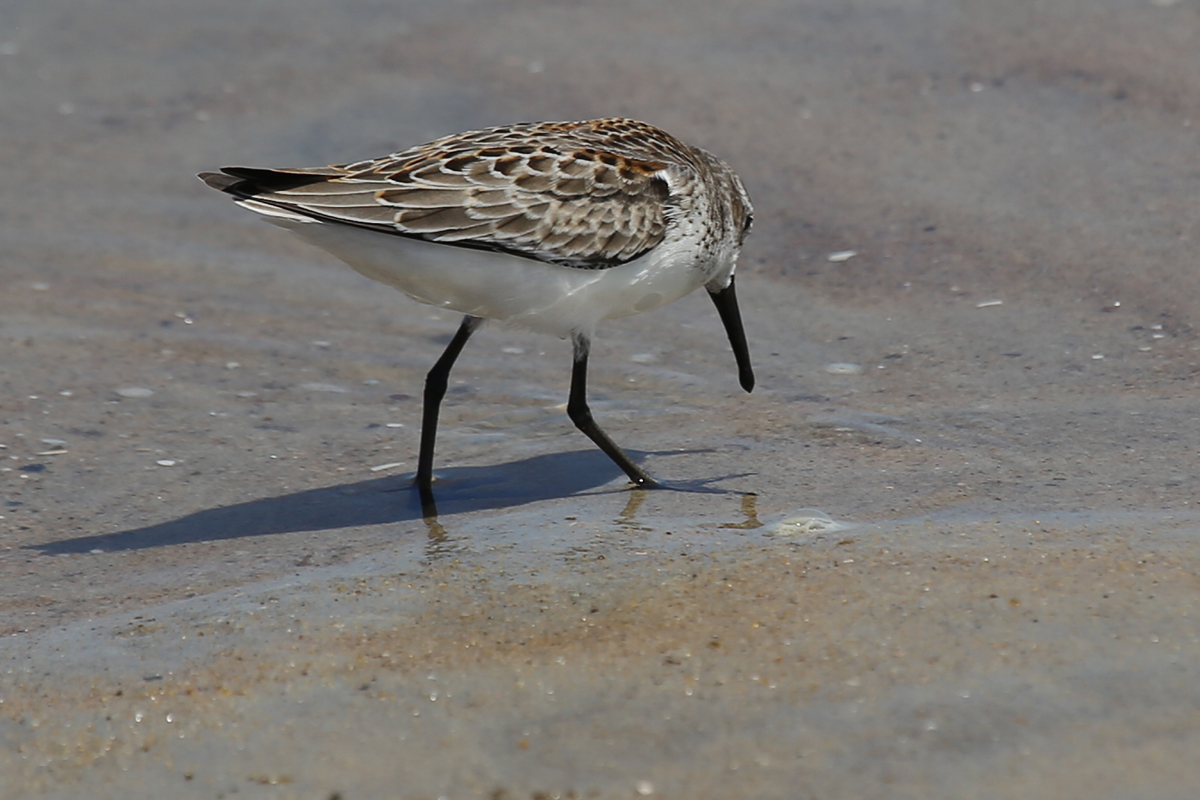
(374, 502)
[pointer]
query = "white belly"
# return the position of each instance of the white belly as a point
(543, 297)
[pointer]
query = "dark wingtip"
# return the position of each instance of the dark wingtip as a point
(251, 181)
(218, 180)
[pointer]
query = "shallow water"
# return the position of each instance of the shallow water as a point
(999, 600)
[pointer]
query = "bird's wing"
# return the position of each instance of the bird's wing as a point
(544, 191)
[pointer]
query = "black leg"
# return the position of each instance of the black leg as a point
(581, 415)
(435, 390)
(726, 303)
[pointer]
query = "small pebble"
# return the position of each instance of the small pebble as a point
(843, 368)
(841, 255)
(165, 462)
(989, 303)
(135, 391)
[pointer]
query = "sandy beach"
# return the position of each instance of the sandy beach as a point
(948, 547)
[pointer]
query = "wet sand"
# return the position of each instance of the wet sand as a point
(206, 590)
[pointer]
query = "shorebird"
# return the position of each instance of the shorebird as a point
(553, 226)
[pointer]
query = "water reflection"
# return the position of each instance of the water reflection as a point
(750, 511)
(626, 519)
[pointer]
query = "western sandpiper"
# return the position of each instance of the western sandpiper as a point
(554, 226)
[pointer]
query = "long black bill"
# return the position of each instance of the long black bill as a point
(726, 302)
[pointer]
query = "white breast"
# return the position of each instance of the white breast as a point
(537, 295)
